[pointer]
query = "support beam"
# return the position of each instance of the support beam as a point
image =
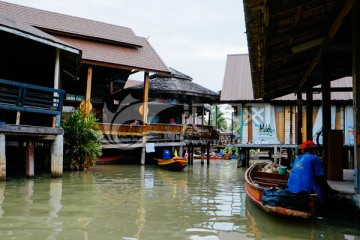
(30, 158)
(356, 104)
(326, 120)
(202, 155)
(2, 157)
(208, 154)
(57, 149)
(309, 114)
(88, 84)
(56, 119)
(145, 113)
(299, 118)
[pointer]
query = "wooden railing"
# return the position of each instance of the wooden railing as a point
(24, 97)
(158, 128)
(201, 131)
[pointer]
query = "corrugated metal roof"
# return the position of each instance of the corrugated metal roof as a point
(101, 43)
(237, 84)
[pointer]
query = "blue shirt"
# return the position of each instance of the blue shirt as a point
(302, 176)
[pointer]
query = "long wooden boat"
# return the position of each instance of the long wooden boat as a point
(109, 159)
(172, 164)
(257, 181)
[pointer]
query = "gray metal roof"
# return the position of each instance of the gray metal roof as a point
(237, 84)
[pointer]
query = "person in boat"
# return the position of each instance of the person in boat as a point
(172, 121)
(135, 123)
(308, 174)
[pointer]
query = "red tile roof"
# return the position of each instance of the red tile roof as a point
(100, 42)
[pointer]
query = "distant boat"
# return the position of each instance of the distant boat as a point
(211, 157)
(111, 156)
(110, 160)
(257, 181)
(172, 164)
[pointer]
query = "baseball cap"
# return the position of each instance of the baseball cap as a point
(308, 144)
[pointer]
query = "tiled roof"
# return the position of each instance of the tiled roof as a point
(101, 43)
(103, 54)
(237, 84)
(70, 24)
(15, 26)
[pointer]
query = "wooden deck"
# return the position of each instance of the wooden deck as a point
(37, 102)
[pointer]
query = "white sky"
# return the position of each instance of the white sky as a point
(191, 36)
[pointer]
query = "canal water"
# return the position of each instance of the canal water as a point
(143, 202)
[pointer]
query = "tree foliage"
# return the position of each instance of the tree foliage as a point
(81, 145)
(221, 122)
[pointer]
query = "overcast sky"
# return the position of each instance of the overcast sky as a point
(191, 36)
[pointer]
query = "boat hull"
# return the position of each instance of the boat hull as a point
(173, 164)
(110, 159)
(255, 184)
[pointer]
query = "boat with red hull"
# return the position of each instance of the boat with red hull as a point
(257, 181)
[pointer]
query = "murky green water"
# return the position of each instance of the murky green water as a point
(144, 202)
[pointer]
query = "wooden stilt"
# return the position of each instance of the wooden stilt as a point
(202, 155)
(57, 156)
(2, 157)
(145, 114)
(299, 118)
(208, 154)
(30, 158)
(326, 120)
(192, 155)
(356, 89)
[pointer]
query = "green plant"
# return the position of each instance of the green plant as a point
(230, 150)
(81, 145)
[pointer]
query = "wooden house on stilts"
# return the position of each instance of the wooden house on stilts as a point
(33, 67)
(110, 56)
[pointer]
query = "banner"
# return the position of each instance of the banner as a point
(263, 124)
(349, 125)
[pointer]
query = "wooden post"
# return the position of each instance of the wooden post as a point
(57, 156)
(2, 157)
(191, 155)
(30, 159)
(202, 154)
(208, 154)
(299, 118)
(18, 115)
(309, 114)
(145, 114)
(56, 119)
(356, 89)
(326, 120)
(88, 84)
(291, 125)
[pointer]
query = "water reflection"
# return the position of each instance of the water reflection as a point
(144, 202)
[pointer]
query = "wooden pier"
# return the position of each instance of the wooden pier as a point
(42, 105)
